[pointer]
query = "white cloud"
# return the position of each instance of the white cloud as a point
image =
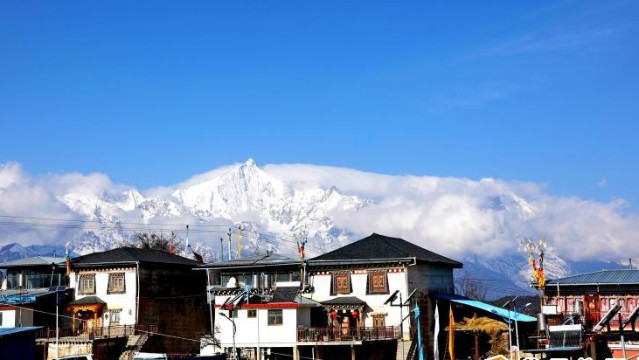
(456, 217)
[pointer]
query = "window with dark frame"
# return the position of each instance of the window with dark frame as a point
(87, 284)
(378, 281)
(275, 317)
(342, 284)
(116, 283)
(251, 314)
(115, 316)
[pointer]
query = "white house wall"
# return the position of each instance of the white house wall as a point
(126, 303)
(8, 318)
(253, 331)
(396, 281)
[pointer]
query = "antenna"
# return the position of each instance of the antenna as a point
(392, 297)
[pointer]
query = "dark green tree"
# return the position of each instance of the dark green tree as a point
(160, 242)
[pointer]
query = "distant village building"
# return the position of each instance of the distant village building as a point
(354, 302)
(149, 298)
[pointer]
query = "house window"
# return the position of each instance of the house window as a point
(115, 317)
(275, 317)
(233, 314)
(251, 314)
(87, 284)
(377, 283)
(1, 324)
(116, 284)
(341, 284)
(379, 321)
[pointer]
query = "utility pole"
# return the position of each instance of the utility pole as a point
(221, 249)
(229, 234)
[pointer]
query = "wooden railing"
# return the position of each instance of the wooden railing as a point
(96, 333)
(330, 334)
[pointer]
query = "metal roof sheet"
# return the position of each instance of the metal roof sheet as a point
(254, 261)
(33, 261)
(505, 313)
(612, 277)
(16, 330)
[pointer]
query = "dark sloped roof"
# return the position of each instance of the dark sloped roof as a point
(380, 247)
(603, 277)
(344, 300)
(131, 255)
(88, 300)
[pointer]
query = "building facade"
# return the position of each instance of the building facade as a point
(353, 302)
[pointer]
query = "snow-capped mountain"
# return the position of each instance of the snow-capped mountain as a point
(274, 208)
(245, 196)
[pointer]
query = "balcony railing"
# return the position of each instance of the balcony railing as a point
(331, 334)
(96, 333)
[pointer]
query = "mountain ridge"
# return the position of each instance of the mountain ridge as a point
(274, 214)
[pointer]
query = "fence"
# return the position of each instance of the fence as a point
(328, 334)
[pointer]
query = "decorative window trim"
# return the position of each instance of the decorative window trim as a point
(117, 283)
(275, 317)
(86, 284)
(379, 321)
(341, 283)
(377, 283)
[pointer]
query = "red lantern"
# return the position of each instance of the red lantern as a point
(355, 313)
(96, 308)
(69, 309)
(333, 314)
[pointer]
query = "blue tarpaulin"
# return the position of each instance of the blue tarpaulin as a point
(503, 312)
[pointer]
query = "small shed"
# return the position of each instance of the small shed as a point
(18, 343)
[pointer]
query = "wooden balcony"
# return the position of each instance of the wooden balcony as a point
(336, 334)
(49, 334)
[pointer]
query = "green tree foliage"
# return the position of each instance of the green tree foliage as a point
(158, 242)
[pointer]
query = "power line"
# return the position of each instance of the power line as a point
(74, 318)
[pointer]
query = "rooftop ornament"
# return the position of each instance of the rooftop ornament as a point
(537, 264)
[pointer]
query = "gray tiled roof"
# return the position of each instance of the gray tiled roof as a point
(603, 277)
(131, 255)
(380, 247)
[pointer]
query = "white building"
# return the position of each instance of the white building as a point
(346, 303)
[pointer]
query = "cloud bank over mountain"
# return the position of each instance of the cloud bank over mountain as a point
(456, 217)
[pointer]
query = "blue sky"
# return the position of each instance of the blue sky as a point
(153, 92)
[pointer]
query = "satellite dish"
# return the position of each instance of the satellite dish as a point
(409, 297)
(392, 297)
